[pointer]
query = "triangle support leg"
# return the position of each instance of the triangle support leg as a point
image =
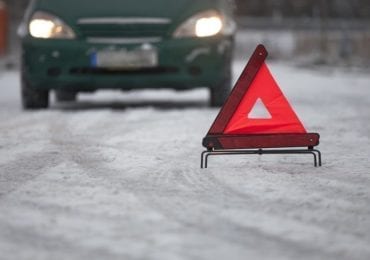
(206, 154)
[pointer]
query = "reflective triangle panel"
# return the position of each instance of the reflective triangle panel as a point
(283, 118)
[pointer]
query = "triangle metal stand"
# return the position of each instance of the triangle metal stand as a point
(212, 152)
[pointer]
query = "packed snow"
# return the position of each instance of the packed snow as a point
(117, 176)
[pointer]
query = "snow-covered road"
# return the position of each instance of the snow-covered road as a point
(117, 176)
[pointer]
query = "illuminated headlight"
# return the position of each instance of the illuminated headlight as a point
(205, 24)
(208, 26)
(47, 26)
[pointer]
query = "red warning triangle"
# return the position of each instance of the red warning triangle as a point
(256, 83)
(241, 128)
(264, 88)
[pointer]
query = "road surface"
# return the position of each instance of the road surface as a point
(116, 176)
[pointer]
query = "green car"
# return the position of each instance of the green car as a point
(73, 46)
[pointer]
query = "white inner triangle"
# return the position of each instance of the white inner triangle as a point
(259, 111)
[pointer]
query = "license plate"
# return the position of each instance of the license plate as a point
(124, 59)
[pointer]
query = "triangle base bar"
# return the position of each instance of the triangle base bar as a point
(224, 141)
(261, 144)
(316, 154)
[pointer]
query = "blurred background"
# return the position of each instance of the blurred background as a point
(309, 31)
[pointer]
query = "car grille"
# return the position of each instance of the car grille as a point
(130, 30)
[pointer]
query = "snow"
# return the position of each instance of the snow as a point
(117, 176)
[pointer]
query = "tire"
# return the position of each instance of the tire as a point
(65, 96)
(220, 93)
(33, 98)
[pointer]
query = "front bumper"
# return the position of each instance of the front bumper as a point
(183, 63)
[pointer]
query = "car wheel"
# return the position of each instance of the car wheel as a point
(65, 96)
(219, 93)
(33, 98)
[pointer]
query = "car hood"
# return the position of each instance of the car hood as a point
(75, 9)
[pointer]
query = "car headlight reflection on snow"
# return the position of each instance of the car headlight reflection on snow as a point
(205, 24)
(47, 26)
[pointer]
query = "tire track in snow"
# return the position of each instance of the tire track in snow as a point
(170, 191)
(24, 169)
(171, 208)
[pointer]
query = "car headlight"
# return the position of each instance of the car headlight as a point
(48, 26)
(205, 24)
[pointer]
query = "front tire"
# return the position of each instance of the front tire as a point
(33, 98)
(220, 93)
